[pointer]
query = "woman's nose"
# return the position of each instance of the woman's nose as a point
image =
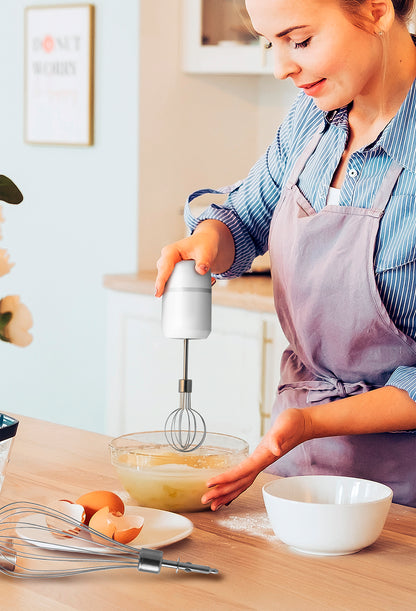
(284, 66)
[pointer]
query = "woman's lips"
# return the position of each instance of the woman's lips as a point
(312, 88)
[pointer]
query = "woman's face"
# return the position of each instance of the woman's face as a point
(319, 48)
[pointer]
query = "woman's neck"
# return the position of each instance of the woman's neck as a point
(370, 113)
(375, 107)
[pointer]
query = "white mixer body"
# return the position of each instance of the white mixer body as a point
(186, 303)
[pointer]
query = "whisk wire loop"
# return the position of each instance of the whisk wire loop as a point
(185, 428)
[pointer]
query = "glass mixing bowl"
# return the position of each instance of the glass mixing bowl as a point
(157, 476)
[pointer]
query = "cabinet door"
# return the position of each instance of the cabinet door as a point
(218, 38)
(151, 373)
(141, 374)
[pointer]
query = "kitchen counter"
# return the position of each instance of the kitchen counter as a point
(257, 571)
(251, 292)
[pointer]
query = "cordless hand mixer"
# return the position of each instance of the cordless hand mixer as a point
(186, 314)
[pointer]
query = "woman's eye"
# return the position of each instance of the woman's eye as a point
(303, 44)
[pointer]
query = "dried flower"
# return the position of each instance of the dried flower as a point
(15, 321)
(5, 265)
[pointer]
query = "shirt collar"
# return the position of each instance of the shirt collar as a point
(398, 138)
(338, 117)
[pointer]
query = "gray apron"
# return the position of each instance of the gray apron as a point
(341, 339)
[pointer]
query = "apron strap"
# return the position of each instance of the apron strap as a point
(304, 156)
(320, 390)
(383, 194)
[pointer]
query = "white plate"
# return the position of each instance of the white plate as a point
(160, 528)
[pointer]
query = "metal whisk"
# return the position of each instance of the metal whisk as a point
(26, 549)
(185, 428)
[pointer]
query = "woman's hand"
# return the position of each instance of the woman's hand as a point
(289, 430)
(211, 246)
(188, 248)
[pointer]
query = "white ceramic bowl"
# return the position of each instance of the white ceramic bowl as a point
(325, 514)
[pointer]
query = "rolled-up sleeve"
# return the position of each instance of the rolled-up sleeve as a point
(404, 378)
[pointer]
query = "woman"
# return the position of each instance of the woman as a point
(334, 200)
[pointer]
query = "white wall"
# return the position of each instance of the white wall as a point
(78, 221)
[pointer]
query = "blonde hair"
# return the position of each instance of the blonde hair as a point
(402, 8)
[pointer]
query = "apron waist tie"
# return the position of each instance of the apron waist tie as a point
(319, 390)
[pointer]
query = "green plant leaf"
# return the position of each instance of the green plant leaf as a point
(5, 318)
(9, 192)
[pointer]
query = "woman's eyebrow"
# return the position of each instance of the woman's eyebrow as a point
(289, 30)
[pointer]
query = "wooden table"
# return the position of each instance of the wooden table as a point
(257, 571)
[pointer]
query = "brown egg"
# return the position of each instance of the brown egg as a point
(61, 527)
(93, 501)
(116, 526)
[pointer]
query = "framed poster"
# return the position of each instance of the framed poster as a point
(59, 74)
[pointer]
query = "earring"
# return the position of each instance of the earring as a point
(380, 32)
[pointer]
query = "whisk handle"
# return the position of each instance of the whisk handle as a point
(150, 560)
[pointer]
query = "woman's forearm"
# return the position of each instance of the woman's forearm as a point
(377, 411)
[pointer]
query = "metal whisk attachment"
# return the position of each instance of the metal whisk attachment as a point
(185, 428)
(28, 548)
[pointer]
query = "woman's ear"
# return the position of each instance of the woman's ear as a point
(383, 15)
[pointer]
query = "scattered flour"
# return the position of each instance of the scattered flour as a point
(254, 524)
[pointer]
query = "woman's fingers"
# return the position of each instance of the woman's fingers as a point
(194, 247)
(170, 256)
(256, 462)
(226, 499)
(224, 494)
(232, 488)
(227, 486)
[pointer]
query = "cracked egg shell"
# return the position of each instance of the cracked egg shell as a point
(120, 528)
(61, 527)
(96, 500)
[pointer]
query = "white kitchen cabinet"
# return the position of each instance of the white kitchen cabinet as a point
(234, 371)
(218, 38)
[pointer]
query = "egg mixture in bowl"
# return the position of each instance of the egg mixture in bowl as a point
(157, 476)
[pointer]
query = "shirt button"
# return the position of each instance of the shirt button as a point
(352, 173)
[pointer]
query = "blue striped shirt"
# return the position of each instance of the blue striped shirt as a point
(251, 203)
